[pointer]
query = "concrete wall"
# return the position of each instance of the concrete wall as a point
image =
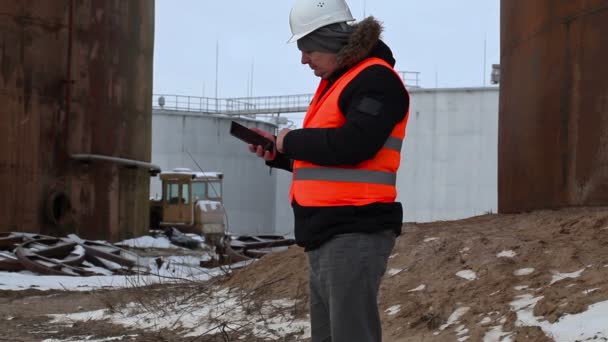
(449, 160)
(249, 190)
(448, 168)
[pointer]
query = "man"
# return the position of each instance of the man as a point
(344, 164)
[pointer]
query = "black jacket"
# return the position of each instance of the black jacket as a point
(373, 103)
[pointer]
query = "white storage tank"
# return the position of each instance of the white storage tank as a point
(248, 187)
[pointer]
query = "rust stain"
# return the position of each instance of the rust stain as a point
(552, 121)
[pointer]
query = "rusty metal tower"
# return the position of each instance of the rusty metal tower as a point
(76, 83)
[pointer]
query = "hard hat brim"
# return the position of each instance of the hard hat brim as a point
(294, 38)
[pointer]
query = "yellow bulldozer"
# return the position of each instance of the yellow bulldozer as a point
(192, 203)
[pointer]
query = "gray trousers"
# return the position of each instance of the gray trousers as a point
(345, 275)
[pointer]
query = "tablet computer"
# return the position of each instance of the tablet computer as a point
(251, 137)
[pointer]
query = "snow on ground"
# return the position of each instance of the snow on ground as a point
(173, 269)
(496, 334)
(588, 325)
(393, 310)
(506, 254)
(91, 339)
(395, 271)
(221, 310)
(455, 317)
(419, 288)
(148, 242)
(524, 272)
(560, 276)
(467, 274)
(591, 290)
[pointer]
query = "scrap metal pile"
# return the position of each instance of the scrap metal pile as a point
(70, 256)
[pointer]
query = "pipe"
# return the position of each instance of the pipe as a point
(68, 78)
(85, 157)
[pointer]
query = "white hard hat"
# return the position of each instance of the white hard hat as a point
(309, 15)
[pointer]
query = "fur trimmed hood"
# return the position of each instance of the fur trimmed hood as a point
(362, 41)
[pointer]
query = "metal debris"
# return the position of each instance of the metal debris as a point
(69, 256)
(73, 256)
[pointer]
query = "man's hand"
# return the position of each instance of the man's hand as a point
(259, 150)
(280, 138)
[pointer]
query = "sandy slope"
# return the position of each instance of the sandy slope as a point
(467, 279)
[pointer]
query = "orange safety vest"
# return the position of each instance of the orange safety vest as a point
(367, 182)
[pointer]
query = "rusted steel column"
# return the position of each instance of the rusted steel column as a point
(553, 123)
(76, 77)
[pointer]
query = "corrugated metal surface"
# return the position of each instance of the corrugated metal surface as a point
(248, 187)
(76, 77)
(553, 136)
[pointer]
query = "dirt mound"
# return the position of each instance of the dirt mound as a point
(467, 279)
(277, 275)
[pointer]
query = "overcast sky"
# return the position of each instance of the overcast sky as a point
(443, 40)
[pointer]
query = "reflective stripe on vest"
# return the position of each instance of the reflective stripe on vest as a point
(394, 144)
(345, 175)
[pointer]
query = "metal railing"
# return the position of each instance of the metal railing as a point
(410, 78)
(233, 106)
(258, 105)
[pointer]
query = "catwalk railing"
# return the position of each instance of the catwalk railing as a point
(249, 105)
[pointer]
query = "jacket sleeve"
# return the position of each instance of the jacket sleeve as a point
(281, 161)
(373, 103)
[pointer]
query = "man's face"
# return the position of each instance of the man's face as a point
(322, 63)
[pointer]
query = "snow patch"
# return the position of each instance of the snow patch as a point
(393, 310)
(485, 320)
(419, 288)
(586, 292)
(455, 316)
(521, 287)
(430, 239)
(495, 334)
(395, 271)
(589, 325)
(467, 274)
(174, 269)
(90, 339)
(206, 205)
(560, 276)
(506, 254)
(148, 242)
(461, 330)
(204, 318)
(523, 272)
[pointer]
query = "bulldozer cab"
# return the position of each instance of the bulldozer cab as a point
(182, 190)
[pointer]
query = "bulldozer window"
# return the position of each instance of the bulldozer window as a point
(198, 190)
(185, 194)
(214, 190)
(172, 191)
